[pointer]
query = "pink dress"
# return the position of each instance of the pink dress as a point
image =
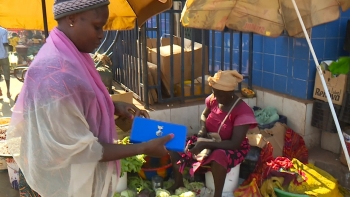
(242, 114)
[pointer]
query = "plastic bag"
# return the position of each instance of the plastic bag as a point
(250, 190)
(13, 59)
(253, 154)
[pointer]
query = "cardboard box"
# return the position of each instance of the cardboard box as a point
(336, 87)
(123, 123)
(275, 136)
(165, 58)
(197, 90)
(257, 140)
(126, 97)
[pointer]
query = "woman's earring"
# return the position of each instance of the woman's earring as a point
(71, 25)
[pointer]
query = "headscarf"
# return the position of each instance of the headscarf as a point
(63, 8)
(225, 80)
(62, 115)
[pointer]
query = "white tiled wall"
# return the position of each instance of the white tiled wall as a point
(189, 116)
(298, 114)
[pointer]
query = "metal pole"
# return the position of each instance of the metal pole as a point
(319, 69)
(46, 29)
(144, 66)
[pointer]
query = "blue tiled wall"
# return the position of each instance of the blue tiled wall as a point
(285, 64)
(163, 26)
(215, 62)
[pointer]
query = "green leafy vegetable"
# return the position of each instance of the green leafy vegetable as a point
(180, 190)
(128, 193)
(162, 193)
(138, 184)
(117, 194)
(188, 194)
(341, 66)
(167, 184)
(131, 164)
(195, 186)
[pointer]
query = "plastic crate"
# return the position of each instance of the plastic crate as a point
(322, 116)
(282, 119)
(345, 108)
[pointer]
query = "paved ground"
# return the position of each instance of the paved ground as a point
(5, 110)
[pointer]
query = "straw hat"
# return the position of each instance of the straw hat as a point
(225, 80)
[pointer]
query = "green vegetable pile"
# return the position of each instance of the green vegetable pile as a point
(131, 164)
(143, 188)
(137, 187)
(181, 192)
(138, 184)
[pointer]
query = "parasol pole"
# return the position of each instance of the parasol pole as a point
(319, 70)
(46, 29)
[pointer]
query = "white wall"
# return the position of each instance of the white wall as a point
(298, 113)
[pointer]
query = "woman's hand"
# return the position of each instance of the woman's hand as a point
(197, 148)
(127, 110)
(156, 147)
(202, 133)
(153, 148)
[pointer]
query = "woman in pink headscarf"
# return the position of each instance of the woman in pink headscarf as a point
(62, 128)
(227, 116)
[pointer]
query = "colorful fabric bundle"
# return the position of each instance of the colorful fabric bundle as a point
(260, 172)
(280, 162)
(316, 181)
(295, 147)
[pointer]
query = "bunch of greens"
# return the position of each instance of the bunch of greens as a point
(138, 184)
(341, 66)
(131, 164)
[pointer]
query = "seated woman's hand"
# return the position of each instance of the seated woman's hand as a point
(127, 110)
(202, 133)
(198, 147)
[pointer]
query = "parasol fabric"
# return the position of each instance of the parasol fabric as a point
(23, 14)
(268, 18)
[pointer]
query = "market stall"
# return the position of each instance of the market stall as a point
(6, 160)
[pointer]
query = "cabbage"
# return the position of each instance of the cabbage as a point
(128, 193)
(188, 194)
(174, 196)
(162, 193)
(117, 194)
(180, 191)
(195, 186)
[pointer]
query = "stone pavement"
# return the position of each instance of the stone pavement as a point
(5, 111)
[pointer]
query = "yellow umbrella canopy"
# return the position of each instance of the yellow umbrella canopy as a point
(27, 14)
(265, 17)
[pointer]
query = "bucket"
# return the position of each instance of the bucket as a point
(231, 181)
(122, 183)
(280, 193)
(156, 167)
(13, 169)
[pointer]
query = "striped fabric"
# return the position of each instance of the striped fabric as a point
(63, 8)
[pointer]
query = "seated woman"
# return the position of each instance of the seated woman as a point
(234, 146)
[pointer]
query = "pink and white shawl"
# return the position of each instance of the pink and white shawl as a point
(62, 114)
